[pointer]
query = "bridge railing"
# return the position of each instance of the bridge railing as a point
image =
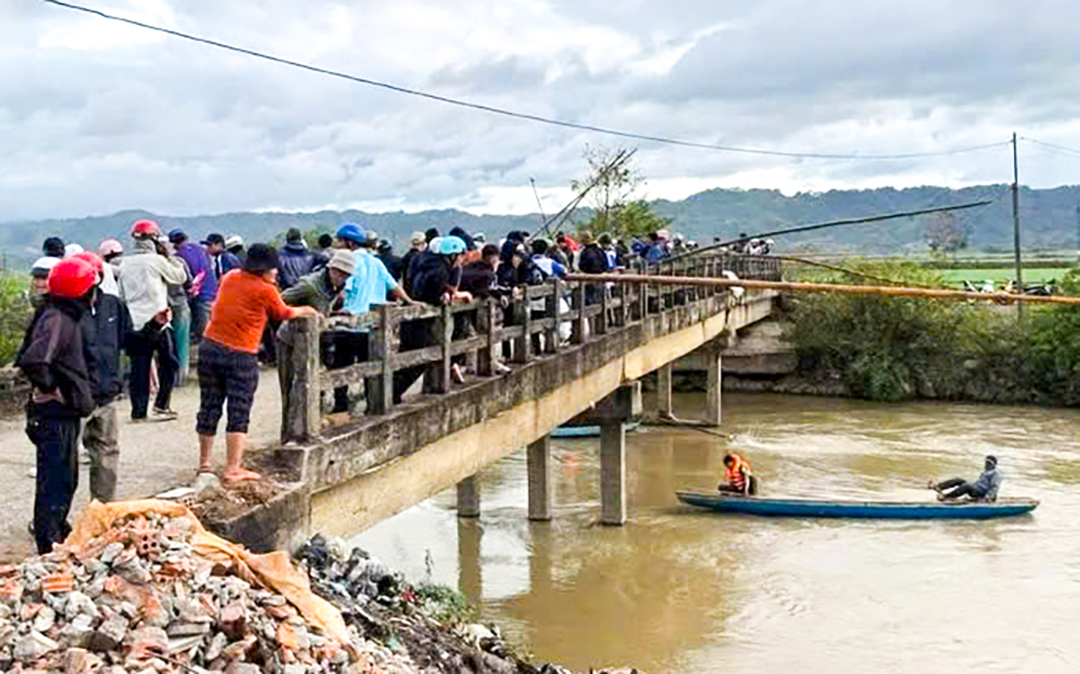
(405, 342)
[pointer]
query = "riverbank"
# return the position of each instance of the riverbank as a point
(425, 627)
(892, 349)
(154, 458)
(141, 586)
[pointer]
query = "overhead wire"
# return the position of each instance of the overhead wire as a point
(514, 114)
(1050, 145)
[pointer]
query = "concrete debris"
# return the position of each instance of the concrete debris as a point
(140, 599)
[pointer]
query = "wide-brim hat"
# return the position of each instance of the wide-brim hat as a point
(342, 260)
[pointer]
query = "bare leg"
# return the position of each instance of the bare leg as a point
(206, 451)
(235, 444)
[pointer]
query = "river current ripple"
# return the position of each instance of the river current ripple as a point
(682, 591)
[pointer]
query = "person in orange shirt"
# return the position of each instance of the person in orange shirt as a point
(739, 479)
(228, 362)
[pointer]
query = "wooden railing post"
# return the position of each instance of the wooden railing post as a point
(643, 299)
(522, 317)
(554, 310)
(380, 389)
(605, 306)
(299, 368)
(624, 308)
(444, 331)
(580, 333)
(485, 323)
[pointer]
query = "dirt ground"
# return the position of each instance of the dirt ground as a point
(154, 457)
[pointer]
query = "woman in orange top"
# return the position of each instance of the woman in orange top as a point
(739, 478)
(228, 366)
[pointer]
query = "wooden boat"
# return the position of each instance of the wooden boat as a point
(586, 431)
(893, 510)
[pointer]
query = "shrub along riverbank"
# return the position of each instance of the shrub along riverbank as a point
(889, 349)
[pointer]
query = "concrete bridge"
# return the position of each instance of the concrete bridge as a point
(348, 472)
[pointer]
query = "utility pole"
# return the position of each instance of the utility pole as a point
(1078, 231)
(1016, 228)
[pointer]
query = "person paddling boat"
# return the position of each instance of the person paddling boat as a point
(983, 489)
(739, 478)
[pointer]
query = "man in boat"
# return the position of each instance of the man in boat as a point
(740, 480)
(983, 489)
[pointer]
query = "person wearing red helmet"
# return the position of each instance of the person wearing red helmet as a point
(144, 288)
(52, 357)
(104, 329)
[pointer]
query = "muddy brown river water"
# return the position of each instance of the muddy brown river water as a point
(677, 590)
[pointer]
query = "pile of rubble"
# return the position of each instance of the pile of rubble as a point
(140, 598)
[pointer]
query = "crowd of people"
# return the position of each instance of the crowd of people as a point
(131, 318)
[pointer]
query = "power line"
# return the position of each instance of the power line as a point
(1050, 145)
(511, 113)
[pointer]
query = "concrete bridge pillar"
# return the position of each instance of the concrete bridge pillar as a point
(714, 368)
(468, 497)
(539, 467)
(664, 407)
(612, 472)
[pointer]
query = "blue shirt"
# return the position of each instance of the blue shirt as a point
(368, 285)
(656, 252)
(549, 266)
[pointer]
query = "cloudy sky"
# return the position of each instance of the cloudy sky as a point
(97, 117)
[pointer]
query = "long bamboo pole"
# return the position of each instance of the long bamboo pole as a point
(825, 225)
(787, 286)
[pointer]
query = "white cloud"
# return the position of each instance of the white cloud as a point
(97, 117)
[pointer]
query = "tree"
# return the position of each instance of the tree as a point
(617, 207)
(946, 234)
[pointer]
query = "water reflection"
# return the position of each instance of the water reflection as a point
(677, 590)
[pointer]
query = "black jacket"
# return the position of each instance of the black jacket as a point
(434, 277)
(406, 269)
(52, 355)
(478, 278)
(393, 264)
(105, 329)
(295, 261)
(592, 260)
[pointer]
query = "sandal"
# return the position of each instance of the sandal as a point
(241, 475)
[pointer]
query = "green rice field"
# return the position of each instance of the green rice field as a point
(956, 276)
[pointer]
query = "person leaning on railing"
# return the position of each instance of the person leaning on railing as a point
(323, 291)
(480, 280)
(228, 362)
(436, 282)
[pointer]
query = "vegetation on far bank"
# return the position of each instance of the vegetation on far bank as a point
(15, 312)
(889, 349)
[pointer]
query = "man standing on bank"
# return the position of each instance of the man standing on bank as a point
(228, 363)
(53, 358)
(148, 272)
(105, 329)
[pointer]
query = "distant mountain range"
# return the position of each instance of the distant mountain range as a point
(1049, 220)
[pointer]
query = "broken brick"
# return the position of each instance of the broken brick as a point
(58, 583)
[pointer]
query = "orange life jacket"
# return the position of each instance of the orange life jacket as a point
(738, 472)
